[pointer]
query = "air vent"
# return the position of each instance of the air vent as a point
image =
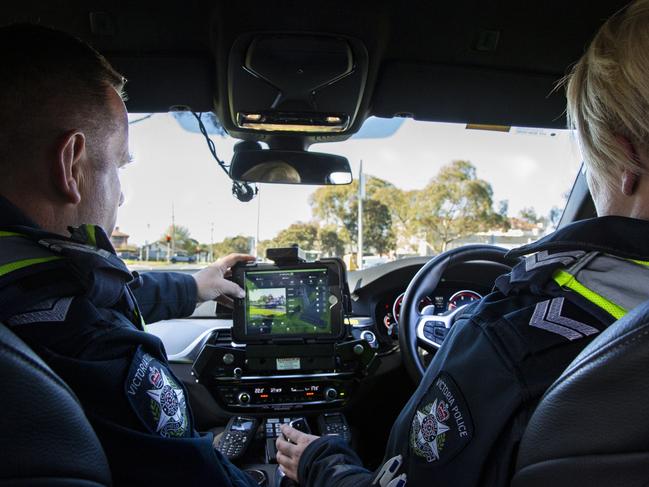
(221, 336)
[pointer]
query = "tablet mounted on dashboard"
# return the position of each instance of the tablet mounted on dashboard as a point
(289, 302)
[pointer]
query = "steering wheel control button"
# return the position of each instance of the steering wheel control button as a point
(429, 332)
(435, 331)
(439, 334)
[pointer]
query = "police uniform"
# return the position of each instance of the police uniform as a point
(463, 425)
(77, 305)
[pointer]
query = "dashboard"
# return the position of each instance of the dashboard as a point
(377, 294)
(447, 297)
(234, 383)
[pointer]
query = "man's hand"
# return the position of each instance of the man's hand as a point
(211, 282)
(288, 454)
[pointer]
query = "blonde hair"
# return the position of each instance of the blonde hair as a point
(608, 95)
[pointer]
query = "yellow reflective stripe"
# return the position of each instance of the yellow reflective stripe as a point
(20, 264)
(565, 279)
(142, 322)
(92, 236)
(641, 262)
(11, 234)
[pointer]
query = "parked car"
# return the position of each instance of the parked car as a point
(182, 258)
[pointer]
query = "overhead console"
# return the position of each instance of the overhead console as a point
(291, 348)
(295, 83)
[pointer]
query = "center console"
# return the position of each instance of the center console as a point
(291, 358)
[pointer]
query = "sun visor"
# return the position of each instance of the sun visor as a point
(295, 83)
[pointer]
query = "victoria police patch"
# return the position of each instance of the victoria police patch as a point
(441, 426)
(156, 396)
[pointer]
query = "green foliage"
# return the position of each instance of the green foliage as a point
(182, 239)
(331, 244)
(337, 207)
(304, 235)
(378, 234)
(455, 204)
(529, 215)
(239, 245)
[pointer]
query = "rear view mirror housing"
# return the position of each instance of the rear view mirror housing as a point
(289, 167)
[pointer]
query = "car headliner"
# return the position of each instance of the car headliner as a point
(479, 61)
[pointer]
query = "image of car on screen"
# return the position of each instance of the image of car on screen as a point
(278, 311)
(267, 303)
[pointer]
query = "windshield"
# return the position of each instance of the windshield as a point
(426, 187)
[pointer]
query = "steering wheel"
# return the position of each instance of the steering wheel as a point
(426, 330)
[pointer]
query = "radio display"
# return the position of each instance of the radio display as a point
(296, 393)
(288, 302)
(283, 393)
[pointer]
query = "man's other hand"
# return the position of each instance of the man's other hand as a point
(289, 452)
(211, 282)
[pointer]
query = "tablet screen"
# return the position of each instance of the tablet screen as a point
(288, 302)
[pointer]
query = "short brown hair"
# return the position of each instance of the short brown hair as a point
(51, 82)
(608, 94)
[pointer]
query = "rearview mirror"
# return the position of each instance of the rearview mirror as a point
(289, 167)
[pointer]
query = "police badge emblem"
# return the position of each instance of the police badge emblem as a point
(428, 432)
(156, 397)
(441, 426)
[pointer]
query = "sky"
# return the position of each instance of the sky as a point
(173, 167)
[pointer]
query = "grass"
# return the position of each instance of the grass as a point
(147, 263)
(256, 311)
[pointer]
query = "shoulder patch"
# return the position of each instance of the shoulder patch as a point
(50, 310)
(442, 424)
(549, 316)
(157, 397)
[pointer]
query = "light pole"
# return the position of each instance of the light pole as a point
(146, 241)
(211, 253)
(361, 196)
(258, 218)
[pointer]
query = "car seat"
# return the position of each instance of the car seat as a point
(45, 437)
(592, 425)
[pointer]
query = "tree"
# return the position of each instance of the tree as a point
(529, 215)
(455, 204)
(378, 234)
(239, 244)
(337, 206)
(330, 243)
(528, 219)
(555, 216)
(181, 238)
(503, 208)
(262, 246)
(403, 213)
(304, 235)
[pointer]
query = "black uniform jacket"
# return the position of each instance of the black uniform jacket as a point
(463, 425)
(76, 304)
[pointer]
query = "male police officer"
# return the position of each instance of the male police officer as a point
(63, 137)
(464, 422)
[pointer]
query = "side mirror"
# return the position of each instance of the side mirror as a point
(289, 167)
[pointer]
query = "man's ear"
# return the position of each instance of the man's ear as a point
(629, 179)
(70, 154)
